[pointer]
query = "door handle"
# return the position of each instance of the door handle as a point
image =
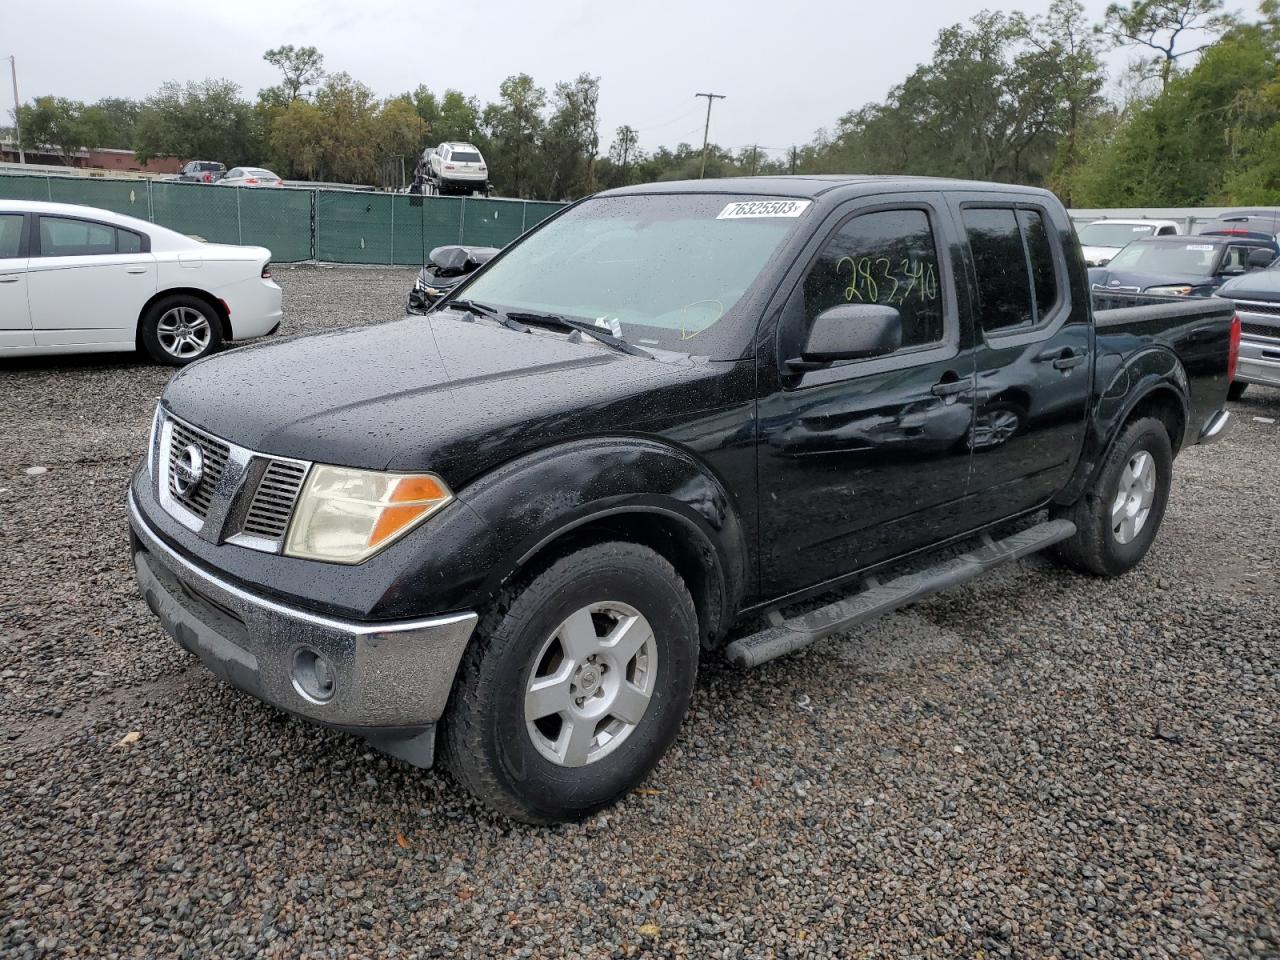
(12, 278)
(949, 388)
(135, 269)
(1062, 359)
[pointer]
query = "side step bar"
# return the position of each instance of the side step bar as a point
(786, 636)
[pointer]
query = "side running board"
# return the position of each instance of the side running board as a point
(784, 636)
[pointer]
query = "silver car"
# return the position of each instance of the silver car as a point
(250, 177)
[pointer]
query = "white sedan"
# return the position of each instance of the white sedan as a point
(81, 280)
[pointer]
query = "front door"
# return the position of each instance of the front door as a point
(866, 459)
(15, 319)
(88, 282)
(1034, 356)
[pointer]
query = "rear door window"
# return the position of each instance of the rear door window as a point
(1014, 265)
(10, 235)
(64, 237)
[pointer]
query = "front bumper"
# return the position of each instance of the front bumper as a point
(1259, 361)
(390, 681)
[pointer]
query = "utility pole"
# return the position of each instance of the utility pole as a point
(754, 148)
(707, 129)
(793, 161)
(17, 124)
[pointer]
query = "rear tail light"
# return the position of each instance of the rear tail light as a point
(450, 166)
(266, 270)
(251, 180)
(1233, 348)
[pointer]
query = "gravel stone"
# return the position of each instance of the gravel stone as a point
(1036, 764)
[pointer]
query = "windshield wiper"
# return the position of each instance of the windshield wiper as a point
(484, 310)
(590, 329)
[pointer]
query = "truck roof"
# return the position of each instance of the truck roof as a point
(816, 185)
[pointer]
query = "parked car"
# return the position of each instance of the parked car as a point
(1103, 239)
(455, 168)
(446, 268)
(516, 524)
(202, 171)
(80, 280)
(1182, 266)
(1256, 296)
(250, 177)
(1265, 222)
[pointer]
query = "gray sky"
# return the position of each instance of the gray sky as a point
(785, 76)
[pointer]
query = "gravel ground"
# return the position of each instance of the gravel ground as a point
(1034, 765)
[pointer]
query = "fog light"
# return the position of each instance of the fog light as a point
(314, 676)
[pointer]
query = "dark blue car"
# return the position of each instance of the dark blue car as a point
(1183, 266)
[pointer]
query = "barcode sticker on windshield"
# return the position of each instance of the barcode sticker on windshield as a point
(747, 209)
(1199, 246)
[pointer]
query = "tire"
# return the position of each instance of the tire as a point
(1237, 389)
(1098, 546)
(498, 737)
(181, 329)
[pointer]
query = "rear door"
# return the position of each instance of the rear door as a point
(15, 317)
(1034, 354)
(866, 459)
(87, 281)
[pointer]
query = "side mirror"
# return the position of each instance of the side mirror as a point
(850, 331)
(1258, 259)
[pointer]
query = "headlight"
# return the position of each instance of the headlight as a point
(1181, 290)
(346, 516)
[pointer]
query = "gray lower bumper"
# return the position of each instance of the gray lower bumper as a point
(1215, 427)
(390, 681)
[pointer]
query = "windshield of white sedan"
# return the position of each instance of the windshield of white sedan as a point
(1114, 234)
(662, 270)
(1179, 258)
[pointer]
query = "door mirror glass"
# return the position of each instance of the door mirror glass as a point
(851, 331)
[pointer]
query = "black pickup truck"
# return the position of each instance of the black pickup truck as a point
(664, 418)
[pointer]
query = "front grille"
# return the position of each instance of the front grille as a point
(273, 501)
(1253, 306)
(1260, 330)
(215, 454)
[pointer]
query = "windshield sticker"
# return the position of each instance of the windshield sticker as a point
(1199, 246)
(749, 209)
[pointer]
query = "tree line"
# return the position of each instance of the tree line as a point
(1193, 119)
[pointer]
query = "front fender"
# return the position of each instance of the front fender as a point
(516, 510)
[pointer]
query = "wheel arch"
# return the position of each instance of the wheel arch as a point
(219, 309)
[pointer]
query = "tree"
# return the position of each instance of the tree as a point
(623, 150)
(459, 118)
(208, 120)
(67, 125)
(572, 139)
(300, 67)
(1161, 25)
(515, 126)
(400, 132)
(119, 115)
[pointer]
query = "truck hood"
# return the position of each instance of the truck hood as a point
(1259, 285)
(423, 393)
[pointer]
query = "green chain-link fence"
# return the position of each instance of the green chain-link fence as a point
(338, 226)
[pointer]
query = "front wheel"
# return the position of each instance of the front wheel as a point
(1118, 516)
(575, 685)
(180, 329)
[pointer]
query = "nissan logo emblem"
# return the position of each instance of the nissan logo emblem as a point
(188, 470)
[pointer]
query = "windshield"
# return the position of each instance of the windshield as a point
(1183, 259)
(669, 270)
(1103, 234)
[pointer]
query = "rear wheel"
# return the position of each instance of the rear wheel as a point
(1236, 390)
(1118, 516)
(180, 329)
(575, 685)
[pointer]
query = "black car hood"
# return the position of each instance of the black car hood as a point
(433, 392)
(1258, 285)
(1104, 277)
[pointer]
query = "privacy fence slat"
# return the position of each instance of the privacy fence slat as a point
(337, 226)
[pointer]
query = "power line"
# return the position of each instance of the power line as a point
(711, 97)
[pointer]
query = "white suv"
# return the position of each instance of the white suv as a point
(457, 168)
